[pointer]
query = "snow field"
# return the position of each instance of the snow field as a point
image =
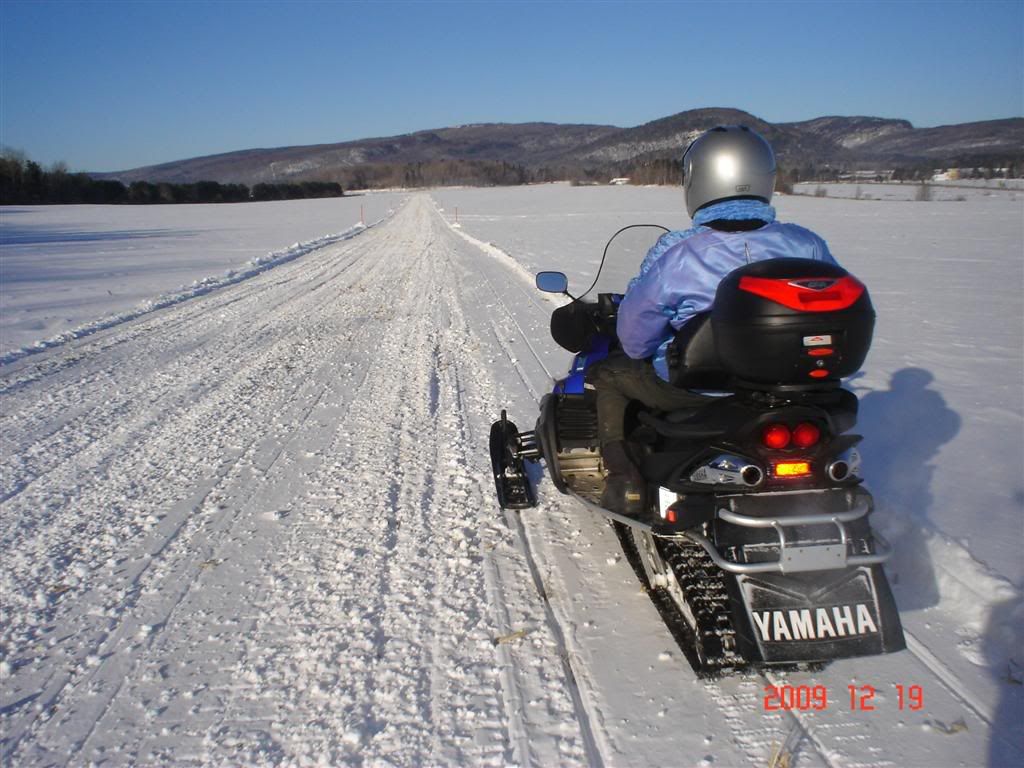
(257, 526)
(69, 270)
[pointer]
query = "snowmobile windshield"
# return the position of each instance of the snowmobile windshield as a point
(622, 257)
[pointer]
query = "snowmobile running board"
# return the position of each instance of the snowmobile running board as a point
(792, 559)
(631, 522)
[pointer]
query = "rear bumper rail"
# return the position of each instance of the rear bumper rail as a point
(794, 558)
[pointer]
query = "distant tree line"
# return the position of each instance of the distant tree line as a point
(670, 171)
(434, 173)
(460, 172)
(647, 171)
(971, 167)
(664, 171)
(25, 182)
(657, 171)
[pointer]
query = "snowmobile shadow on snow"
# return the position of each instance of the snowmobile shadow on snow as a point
(1002, 639)
(905, 426)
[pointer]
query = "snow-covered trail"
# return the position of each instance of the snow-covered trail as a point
(258, 527)
(253, 527)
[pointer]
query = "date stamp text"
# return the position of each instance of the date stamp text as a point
(859, 698)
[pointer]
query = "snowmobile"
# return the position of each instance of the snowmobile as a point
(755, 544)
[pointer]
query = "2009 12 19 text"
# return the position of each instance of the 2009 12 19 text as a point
(861, 698)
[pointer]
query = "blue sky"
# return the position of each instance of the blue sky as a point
(110, 86)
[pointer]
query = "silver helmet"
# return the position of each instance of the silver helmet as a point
(729, 161)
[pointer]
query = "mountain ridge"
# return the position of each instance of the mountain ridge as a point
(555, 148)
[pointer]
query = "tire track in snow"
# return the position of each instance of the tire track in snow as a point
(125, 405)
(116, 455)
(164, 528)
(111, 632)
(948, 678)
(520, 570)
(386, 665)
(188, 377)
(515, 522)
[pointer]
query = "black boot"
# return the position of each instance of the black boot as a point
(624, 486)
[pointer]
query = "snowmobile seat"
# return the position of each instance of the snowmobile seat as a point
(693, 361)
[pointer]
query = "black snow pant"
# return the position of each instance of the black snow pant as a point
(619, 379)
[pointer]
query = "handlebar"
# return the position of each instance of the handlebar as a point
(606, 313)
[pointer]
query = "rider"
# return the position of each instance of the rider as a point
(728, 179)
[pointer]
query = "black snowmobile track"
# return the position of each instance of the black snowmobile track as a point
(709, 648)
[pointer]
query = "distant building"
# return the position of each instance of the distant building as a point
(885, 175)
(620, 181)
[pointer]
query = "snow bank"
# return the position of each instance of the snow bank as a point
(66, 261)
(198, 288)
(65, 268)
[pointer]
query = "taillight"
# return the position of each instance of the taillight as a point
(776, 436)
(805, 435)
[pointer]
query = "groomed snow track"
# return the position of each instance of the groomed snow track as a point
(258, 527)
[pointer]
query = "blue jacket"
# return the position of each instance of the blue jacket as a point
(680, 274)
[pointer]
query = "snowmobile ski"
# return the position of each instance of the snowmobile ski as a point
(509, 452)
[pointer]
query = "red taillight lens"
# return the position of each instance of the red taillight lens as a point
(805, 435)
(776, 436)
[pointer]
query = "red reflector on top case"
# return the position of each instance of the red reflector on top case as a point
(839, 294)
(820, 352)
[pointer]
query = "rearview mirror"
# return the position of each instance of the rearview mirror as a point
(552, 282)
